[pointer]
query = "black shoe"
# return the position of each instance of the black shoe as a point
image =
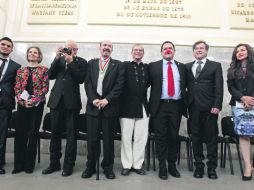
(247, 178)
(140, 171)
(173, 171)
(2, 170)
(212, 173)
(199, 173)
(125, 171)
(163, 173)
(66, 173)
(16, 171)
(51, 169)
(109, 174)
(87, 173)
(29, 170)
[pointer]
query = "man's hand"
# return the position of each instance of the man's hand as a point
(102, 103)
(68, 58)
(215, 111)
(59, 52)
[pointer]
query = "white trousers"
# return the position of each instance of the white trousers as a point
(133, 153)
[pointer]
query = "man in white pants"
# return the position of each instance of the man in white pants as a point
(134, 113)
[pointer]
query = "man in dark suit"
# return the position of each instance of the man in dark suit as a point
(103, 84)
(68, 70)
(8, 71)
(167, 105)
(205, 95)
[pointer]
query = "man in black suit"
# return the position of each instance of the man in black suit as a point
(8, 71)
(68, 70)
(167, 105)
(205, 95)
(103, 84)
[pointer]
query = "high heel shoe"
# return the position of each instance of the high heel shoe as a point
(247, 178)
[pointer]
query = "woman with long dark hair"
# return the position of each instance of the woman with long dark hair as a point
(241, 87)
(31, 86)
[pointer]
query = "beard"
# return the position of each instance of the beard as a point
(4, 54)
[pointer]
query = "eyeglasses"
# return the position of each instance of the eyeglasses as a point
(139, 50)
(75, 49)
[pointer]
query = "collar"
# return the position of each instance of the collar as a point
(203, 60)
(165, 62)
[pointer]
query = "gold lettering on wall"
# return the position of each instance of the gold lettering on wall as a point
(241, 14)
(194, 13)
(53, 12)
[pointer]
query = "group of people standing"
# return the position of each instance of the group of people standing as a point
(118, 91)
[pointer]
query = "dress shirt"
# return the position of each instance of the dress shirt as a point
(176, 76)
(195, 65)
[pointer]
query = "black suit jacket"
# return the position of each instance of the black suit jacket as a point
(67, 80)
(241, 87)
(111, 88)
(134, 95)
(7, 85)
(156, 73)
(206, 91)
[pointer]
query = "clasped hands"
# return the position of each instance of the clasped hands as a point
(100, 103)
(248, 102)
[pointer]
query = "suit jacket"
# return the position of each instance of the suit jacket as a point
(156, 73)
(206, 91)
(134, 95)
(7, 85)
(241, 87)
(67, 79)
(111, 87)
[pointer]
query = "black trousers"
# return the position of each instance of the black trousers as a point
(63, 119)
(166, 124)
(204, 124)
(26, 136)
(94, 126)
(5, 116)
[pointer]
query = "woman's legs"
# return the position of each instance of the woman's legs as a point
(245, 149)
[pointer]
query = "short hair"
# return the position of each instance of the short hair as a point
(167, 42)
(39, 51)
(200, 42)
(138, 45)
(7, 39)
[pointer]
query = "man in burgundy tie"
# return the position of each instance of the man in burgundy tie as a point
(167, 105)
(8, 70)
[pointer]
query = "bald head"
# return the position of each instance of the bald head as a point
(72, 45)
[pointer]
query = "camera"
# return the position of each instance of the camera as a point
(67, 50)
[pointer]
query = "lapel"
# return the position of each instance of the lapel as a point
(205, 68)
(111, 65)
(7, 70)
(95, 71)
(189, 69)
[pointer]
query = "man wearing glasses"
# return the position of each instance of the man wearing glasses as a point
(68, 70)
(134, 112)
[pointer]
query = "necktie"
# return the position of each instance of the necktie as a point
(198, 70)
(2, 66)
(171, 87)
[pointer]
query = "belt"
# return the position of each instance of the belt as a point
(170, 100)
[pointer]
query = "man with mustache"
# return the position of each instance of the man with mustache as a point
(167, 105)
(8, 71)
(103, 84)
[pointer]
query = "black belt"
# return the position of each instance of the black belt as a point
(170, 100)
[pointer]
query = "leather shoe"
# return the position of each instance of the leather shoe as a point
(16, 171)
(51, 169)
(109, 174)
(247, 178)
(66, 173)
(125, 171)
(198, 173)
(173, 171)
(163, 173)
(2, 170)
(87, 173)
(29, 170)
(212, 173)
(140, 171)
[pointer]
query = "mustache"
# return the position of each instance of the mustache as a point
(106, 50)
